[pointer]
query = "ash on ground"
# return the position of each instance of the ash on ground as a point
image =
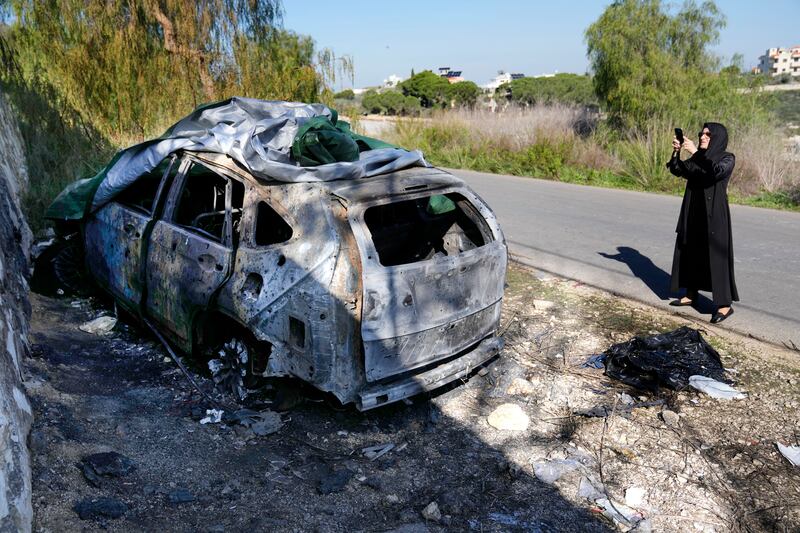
(533, 442)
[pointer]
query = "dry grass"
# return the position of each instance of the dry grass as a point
(763, 162)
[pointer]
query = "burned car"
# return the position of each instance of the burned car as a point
(372, 289)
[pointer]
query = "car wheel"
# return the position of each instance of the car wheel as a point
(229, 367)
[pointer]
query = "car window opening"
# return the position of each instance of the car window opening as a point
(141, 194)
(417, 230)
(201, 206)
(271, 228)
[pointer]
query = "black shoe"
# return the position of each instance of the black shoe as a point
(679, 303)
(719, 317)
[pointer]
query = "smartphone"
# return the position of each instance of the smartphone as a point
(679, 135)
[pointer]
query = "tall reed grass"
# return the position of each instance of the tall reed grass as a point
(558, 142)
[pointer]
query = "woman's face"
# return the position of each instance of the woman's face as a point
(705, 138)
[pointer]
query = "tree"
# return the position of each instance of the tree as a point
(650, 62)
(134, 65)
(347, 94)
(431, 89)
(561, 88)
(464, 93)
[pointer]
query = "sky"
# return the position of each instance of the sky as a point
(480, 38)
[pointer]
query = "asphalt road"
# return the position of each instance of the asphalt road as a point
(622, 241)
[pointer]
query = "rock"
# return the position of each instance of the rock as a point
(542, 305)
(100, 508)
(392, 498)
(670, 418)
(180, 495)
(376, 482)
(432, 512)
(106, 464)
(520, 387)
(508, 417)
(334, 482)
(16, 511)
(626, 399)
(634, 496)
(101, 325)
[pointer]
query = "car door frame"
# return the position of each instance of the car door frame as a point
(185, 299)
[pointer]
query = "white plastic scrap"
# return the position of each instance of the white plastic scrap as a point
(551, 471)
(792, 453)
(715, 389)
(213, 416)
(620, 513)
(101, 325)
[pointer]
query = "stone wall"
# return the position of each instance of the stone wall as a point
(15, 411)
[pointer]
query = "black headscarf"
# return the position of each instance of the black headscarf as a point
(717, 144)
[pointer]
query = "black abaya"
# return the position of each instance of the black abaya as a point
(703, 258)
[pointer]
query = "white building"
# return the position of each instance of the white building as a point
(501, 78)
(392, 81)
(779, 61)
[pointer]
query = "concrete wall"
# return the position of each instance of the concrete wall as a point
(15, 411)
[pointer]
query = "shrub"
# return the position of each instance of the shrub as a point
(347, 94)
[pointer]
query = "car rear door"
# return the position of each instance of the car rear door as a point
(191, 249)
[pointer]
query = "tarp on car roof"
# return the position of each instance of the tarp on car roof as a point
(278, 141)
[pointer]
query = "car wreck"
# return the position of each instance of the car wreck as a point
(373, 279)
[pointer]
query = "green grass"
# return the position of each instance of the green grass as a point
(770, 200)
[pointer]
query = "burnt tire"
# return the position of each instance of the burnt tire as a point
(61, 269)
(232, 364)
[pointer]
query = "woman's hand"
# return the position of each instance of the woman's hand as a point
(689, 146)
(676, 144)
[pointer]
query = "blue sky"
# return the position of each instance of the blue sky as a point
(481, 38)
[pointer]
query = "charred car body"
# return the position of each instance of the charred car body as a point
(371, 289)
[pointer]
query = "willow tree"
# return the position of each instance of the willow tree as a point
(650, 61)
(136, 65)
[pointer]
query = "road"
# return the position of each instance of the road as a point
(622, 241)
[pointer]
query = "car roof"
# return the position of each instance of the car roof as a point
(403, 181)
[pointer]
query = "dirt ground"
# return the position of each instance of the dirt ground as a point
(592, 447)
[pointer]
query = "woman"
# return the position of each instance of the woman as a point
(703, 259)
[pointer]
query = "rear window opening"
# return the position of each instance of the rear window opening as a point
(420, 229)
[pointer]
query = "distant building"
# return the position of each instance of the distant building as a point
(453, 76)
(779, 61)
(501, 78)
(392, 81)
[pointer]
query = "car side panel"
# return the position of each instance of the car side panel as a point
(114, 250)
